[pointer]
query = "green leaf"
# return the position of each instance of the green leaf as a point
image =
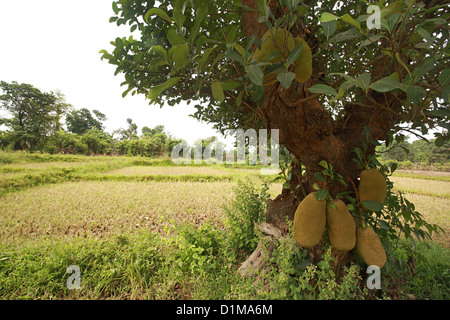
(324, 164)
(217, 91)
(383, 224)
(326, 17)
(178, 13)
(386, 84)
(230, 85)
(200, 16)
(255, 74)
(446, 93)
(262, 6)
(364, 81)
(230, 54)
(239, 49)
(444, 77)
(348, 19)
(159, 12)
(358, 153)
(154, 92)
(397, 57)
(372, 205)
(415, 94)
(329, 28)
(180, 55)
(159, 50)
(204, 58)
(426, 66)
(295, 53)
(286, 79)
(174, 38)
(257, 94)
(371, 40)
(322, 194)
(319, 176)
(323, 88)
(441, 113)
(239, 99)
(115, 8)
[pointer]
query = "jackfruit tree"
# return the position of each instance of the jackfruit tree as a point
(335, 78)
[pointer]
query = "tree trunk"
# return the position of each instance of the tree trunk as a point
(309, 132)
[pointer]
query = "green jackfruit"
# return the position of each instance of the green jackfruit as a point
(369, 246)
(303, 64)
(282, 41)
(341, 226)
(372, 186)
(309, 221)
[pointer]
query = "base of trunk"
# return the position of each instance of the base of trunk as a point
(281, 209)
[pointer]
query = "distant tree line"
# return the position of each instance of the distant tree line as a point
(34, 122)
(419, 153)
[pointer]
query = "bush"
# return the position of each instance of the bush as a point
(97, 141)
(66, 142)
(246, 210)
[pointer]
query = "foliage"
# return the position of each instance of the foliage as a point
(184, 52)
(243, 213)
(293, 277)
(66, 142)
(81, 121)
(34, 114)
(97, 141)
(419, 151)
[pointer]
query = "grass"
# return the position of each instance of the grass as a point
(422, 186)
(101, 209)
(425, 175)
(435, 210)
(145, 229)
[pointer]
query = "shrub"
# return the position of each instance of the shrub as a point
(246, 210)
(97, 141)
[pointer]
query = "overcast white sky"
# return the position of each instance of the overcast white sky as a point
(54, 45)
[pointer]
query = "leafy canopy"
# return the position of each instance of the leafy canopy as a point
(202, 51)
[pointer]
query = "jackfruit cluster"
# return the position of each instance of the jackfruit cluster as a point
(284, 42)
(311, 218)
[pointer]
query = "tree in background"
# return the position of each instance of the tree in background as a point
(34, 114)
(148, 132)
(97, 141)
(128, 133)
(80, 121)
(418, 152)
(334, 80)
(61, 108)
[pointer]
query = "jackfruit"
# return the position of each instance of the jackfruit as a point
(369, 246)
(303, 64)
(341, 226)
(372, 186)
(309, 221)
(283, 42)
